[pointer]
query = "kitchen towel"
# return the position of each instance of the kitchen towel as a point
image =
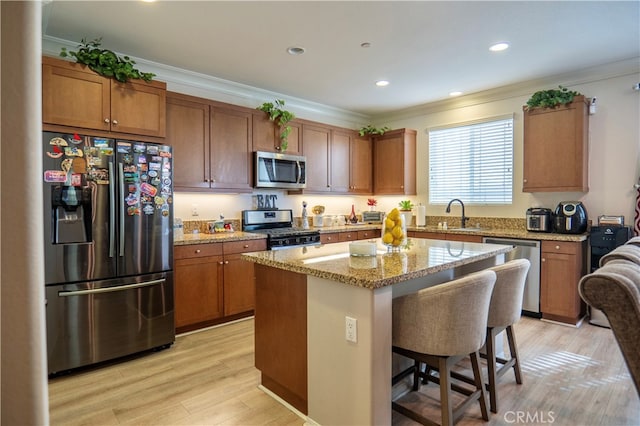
(421, 213)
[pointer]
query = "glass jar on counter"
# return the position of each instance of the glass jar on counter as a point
(394, 231)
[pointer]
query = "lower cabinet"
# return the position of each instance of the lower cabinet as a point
(339, 237)
(562, 265)
(213, 283)
(445, 236)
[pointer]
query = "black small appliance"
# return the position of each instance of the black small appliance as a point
(603, 239)
(570, 217)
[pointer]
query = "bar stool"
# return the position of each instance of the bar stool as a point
(439, 326)
(504, 311)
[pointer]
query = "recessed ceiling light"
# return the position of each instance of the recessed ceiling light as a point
(456, 93)
(295, 50)
(382, 83)
(503, 45)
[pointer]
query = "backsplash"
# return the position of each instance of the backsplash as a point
(432, 221)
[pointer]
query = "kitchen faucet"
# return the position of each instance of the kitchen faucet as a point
(463, 219)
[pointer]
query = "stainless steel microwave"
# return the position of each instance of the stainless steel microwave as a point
(276, 170)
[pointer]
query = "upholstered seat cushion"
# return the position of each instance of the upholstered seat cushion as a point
(506, 300)
(437, 320)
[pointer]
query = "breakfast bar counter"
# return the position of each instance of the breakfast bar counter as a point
(306, 295)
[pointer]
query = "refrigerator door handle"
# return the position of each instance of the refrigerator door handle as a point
(112, 213)
(110, 289)
(121, 236)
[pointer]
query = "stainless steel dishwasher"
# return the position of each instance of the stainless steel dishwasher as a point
(525, 249)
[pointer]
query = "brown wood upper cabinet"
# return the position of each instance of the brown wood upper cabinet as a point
(338, 160)
(211, 144)
(266, 135)
(556, 153)
(75, 96)
(394, 163)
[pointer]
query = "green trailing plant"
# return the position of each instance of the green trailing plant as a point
(105, 62)
(277, 113)
(551, 98)
(370, 130)
(405, 205)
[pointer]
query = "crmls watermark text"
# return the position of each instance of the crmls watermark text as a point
(542, 417)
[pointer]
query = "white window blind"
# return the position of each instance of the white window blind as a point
(473, 162)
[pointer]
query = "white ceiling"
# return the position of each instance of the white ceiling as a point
(425, 49)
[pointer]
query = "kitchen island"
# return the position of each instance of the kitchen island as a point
(303, 298)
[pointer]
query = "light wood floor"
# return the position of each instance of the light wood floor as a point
(571, 377)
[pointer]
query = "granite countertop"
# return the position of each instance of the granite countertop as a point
(204, 238)
(485, 232)
(218, 237)
(420, 258)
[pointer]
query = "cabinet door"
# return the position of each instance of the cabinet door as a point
(266, 135)
(198, 290)
(239, 285)
(556, 148)
(239, 276)
(138, 108)
(188, 134)
(394, 163)
(561, 268)
(315, 140)
(339, 161)
(361, 177)
(230, 149)
(71, 97)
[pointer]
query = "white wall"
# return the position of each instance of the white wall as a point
(614, 145)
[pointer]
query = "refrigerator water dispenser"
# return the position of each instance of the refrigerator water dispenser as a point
(71, 214)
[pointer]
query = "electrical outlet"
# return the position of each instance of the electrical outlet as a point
(351, 329)
(194, 210)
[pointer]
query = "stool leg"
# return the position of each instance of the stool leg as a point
(491, 369)
(416, 375)
(513, 348)
(445, 391)
(477, 374)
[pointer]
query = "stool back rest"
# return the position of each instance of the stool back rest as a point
(446, 319)
(506, 301)
(630, 252)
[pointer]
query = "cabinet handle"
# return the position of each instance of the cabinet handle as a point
(524, 180)
(246, 246)
(206, 180)
(106, 120)
(197, 250)
(221, 263)
(543, 259)
(115, 122)
(226, 262)
(401, 186)
(277, 148)
(557, 247)
(328, 238)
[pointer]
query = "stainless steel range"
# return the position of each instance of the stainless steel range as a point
(278, 226)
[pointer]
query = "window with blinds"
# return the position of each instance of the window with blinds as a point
(472, 161)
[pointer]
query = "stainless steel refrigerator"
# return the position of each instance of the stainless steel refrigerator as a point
(108, 214)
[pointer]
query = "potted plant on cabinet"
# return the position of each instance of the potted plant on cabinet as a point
(551, 98)
(280, 116)
(405, 210)
(370, 130)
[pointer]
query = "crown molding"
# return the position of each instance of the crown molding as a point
(621, 68)
(205, 86)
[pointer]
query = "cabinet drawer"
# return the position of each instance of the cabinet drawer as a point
(197, 250)
(368, 234)
(244, 246)
(333, 237)
(561, 247)
(348, 236)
